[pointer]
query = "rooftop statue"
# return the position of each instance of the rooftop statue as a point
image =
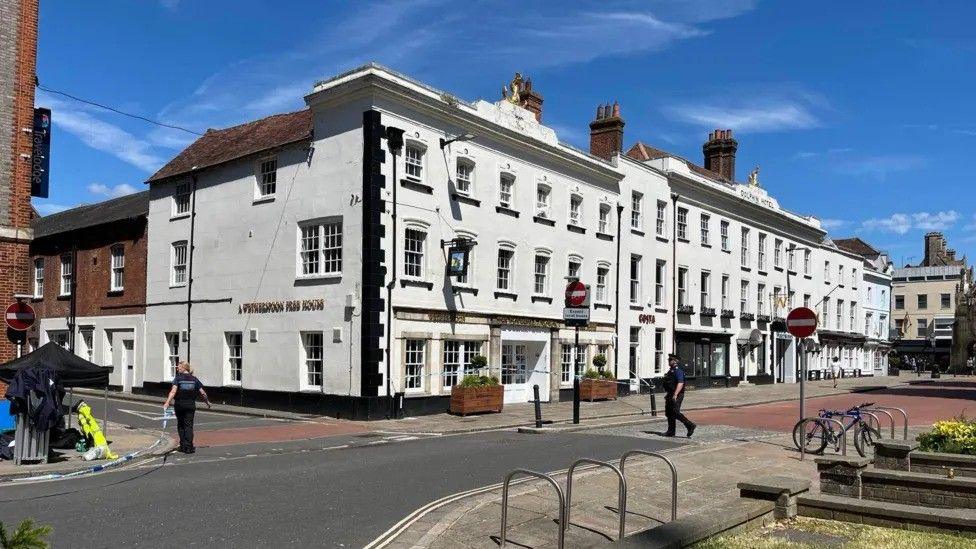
(512, 92)
(754, 177)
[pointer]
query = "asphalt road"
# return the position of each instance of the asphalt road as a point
(297, 493)
(143, 414)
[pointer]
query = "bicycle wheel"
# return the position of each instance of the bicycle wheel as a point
(864, 437)
(813, 434)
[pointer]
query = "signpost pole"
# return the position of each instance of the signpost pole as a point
(576, 380)
(801, 344)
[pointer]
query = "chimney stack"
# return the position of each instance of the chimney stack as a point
(719, 152)
(607, 131)
(531, 100)
(935, 245)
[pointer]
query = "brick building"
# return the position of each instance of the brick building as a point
(98, 254)
(18, 56)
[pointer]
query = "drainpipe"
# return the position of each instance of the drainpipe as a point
(189, 266)
(616, 318)
(394, 142)
(674, 273)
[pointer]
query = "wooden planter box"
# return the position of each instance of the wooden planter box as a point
(598, 389)
(471, 400)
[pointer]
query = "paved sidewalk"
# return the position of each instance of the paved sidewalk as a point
(708, 474)
(122, 440)
(518, 415)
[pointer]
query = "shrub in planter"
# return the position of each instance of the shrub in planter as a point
(956, 436)
(599, 361)
(607, 374)
(477, 393)
(597, 386)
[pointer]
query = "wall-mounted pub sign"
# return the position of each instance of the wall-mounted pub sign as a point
(41, 153)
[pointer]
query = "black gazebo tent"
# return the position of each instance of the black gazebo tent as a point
(73, 370)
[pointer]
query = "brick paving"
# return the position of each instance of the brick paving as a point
(517, 415)
(281, 432)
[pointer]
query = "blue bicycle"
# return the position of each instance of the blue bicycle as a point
(816, 435)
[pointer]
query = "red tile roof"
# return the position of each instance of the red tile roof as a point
(857, 246)
(219, 146)
(643, 152)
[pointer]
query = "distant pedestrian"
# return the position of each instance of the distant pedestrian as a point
(835, 369)
(183, 395)
(674, 387)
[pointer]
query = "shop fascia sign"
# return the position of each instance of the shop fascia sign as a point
(285, 306)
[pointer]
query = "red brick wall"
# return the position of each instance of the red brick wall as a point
(14, 251)
(92, 268)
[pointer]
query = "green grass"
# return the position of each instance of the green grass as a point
(844, 534)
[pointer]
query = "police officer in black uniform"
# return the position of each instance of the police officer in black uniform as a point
(184, 396)
(674, 387)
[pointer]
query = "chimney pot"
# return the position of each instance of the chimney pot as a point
(607, 131)
(616, 109)
(719, 152)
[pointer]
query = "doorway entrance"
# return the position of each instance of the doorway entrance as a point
(128, 359)
(524, 363)
(704, 357)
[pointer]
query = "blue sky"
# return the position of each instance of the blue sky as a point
(858, 112)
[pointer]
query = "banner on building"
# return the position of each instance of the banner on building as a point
(41, 153)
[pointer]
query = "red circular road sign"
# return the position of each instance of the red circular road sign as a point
(801, 322)
(575, 294)
(19, 316)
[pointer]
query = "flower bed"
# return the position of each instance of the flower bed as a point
(955, 436)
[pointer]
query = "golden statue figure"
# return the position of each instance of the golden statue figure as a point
(512, 92)
(754, 177)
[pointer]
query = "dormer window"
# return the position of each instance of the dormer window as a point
(414, 161)
(465, 176)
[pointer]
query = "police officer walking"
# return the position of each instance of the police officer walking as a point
(184, 396)
(674, 385)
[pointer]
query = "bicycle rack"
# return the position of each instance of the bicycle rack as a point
(891, 418)
(904, 415)
(621, 491)
(563, 511)
(843, 442)
(674, 475)
(872, 416)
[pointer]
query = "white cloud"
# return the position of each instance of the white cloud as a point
(832, 224)
(49, 208)
(804, 155)
(878, 167)
(765, 115)
(170, 4)
(901, 223)
(971, 226)
(115, 191)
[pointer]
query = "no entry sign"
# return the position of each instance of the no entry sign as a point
(576, 294)
(801, 322)
(19, 316)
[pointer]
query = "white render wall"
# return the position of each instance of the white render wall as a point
(107, 335)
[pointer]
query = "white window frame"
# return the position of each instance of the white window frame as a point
(706, 288)
(313, 360)
(319, 248)
(464, 183)
(505, 274)
(506, 197)
(636, 207)
(791, 258)
(576, 209)
(546, 274)
(658, 350)
(603, 225)
(726, 281)
(182, 200)
(543, 201)
(116, 275)
(807, 256)
(171, 342)
(635, 278)
(176, 268)
(761, 265)
(415, 365)
(234, 357)
(571, 357)
(706, 221)
(682, 220)
(743, 297)
(414, 263)
(87, 334)
(38, 277)
(67, 273)
(570, 262)
(414, 165)
(460, 366)
(661, 223)
(682, 286)
(266, 178)
(724, 234)
(602, 294)
(778, 253)
(744, 258)
(760, 299)
(660, 288)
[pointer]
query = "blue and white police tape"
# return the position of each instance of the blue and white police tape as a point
(167, 415)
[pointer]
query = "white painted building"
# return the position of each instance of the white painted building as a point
(284, 254)
(876, 296)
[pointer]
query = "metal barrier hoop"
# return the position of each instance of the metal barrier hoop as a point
(621, 491)
(904, 415)
(674, 475)
(818, 419)
(559, 492)
(872, 416)
(891, 418)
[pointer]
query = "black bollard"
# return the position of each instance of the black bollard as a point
(538, 406)
(576, 400)
(653, 400)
